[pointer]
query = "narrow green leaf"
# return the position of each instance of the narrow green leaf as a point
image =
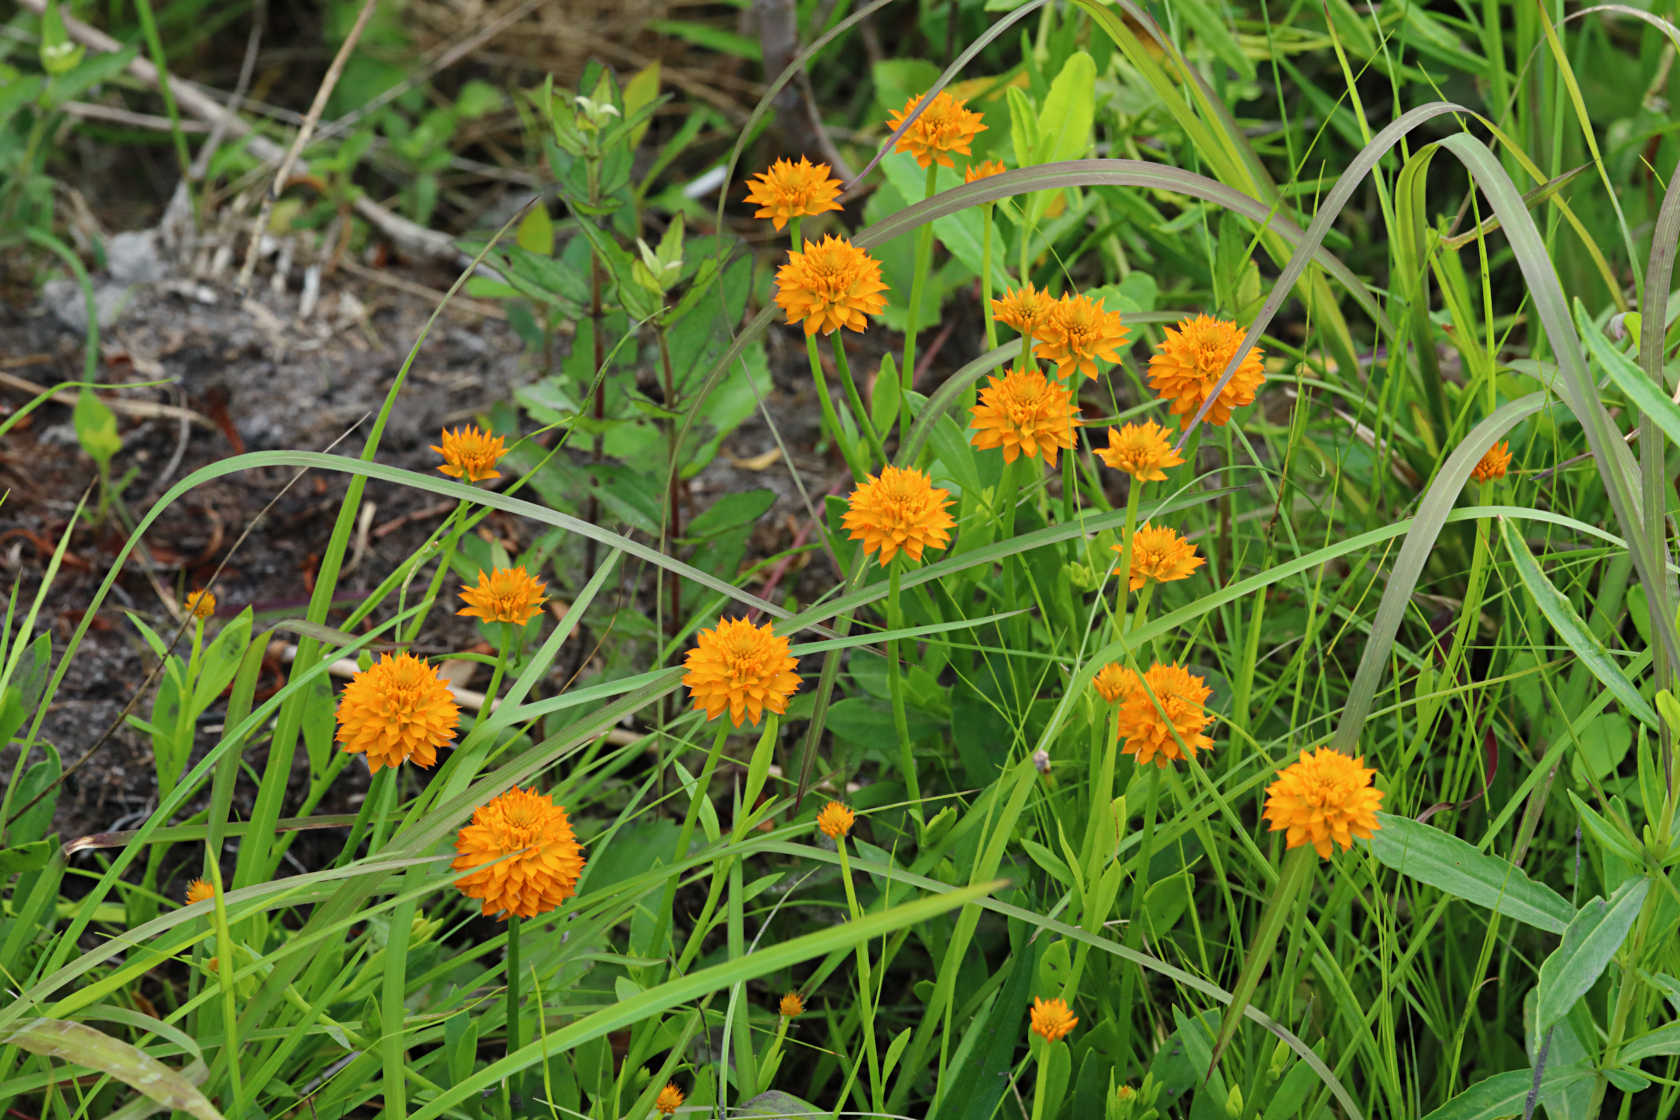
(1603, 831)
(1447, 863)
(1571, 628)
(79, 1044)
(1662, 1042)
(1588, 944)
(1298, 867)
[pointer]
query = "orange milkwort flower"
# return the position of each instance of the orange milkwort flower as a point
(792, 1004)
(397, 710)
(830, 284)
(1078, 332)
(1025, 413)
(544, 856)
(505, 595)
(793, 190)
(471, 454)
(1190, 362)
(1141, 450)
(1494, 464)
(201, 604)
(899, 509)
(974, 172)
(198, 890)
(670, 1098)
(740, 668)
(1324, 798)
(945, 126)
(1052, 1019)
(835, 820)
(1026, 309)
(1161, 555)
(1153, 733)
(1112, 680)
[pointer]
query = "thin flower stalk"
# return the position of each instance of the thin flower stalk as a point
(837, 431)
(924, 260)
(866, 986)
(895, 690)
(686, 833)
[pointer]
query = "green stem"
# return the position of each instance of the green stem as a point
(457, 525)
(924, 256)
(508, 631)
(986, 274)
(1042, 1083)
(686, 834)
(831, 418)
(513, 1095)
(876, 448)
(895, 686)
(866, 1014)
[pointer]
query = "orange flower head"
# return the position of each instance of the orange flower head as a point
(1052, 1019)
(1324, 798)
(397, 710)
(669, 1100)
(1025, 413)
(201, 604)
(1494, 464)
(792, 1004)
(835, 820)
(1161, 555)
(1141, 450)
(974, 172)
(945, 126)
(899, 509)
(1153, 733)
(829, 285)
(470, 454)
(1026, 309)
(1079, 332)
(198, 890)
(793, 190)
(1190, 362)
(742, 669)
(544, 858)
(505, 595)
(1112, 680)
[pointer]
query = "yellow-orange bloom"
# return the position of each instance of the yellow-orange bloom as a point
(899, 509)
(945, 126)
(1052, 1019)
(505, 595)
(1324, 798)
(1494, 464)
(544, 858)
(1112, 680)
(397, 710)
(974, 172)
(793, 190)
(829, 285)
(201, 604)
(1141, 450)
(835, 820)
(742, 669)
(792, 1004)
(1189, 364)
(471, 454)
(1153, 733)
(670, 1098)
(1025, 413)
(1026, 309)
(198, 890)
(1078, 332)
(1160, 555)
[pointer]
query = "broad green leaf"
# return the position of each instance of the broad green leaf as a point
(1603, 831)
(777, 1105)
(1064, 124)
(1588, 944)
(96, 427)
(81, 1045)
(640, 92)
(1569, 626)
(1662, 1042)
(536, 231)
(1023, 126)
(729, 512)
(883, 402)
(1504, 1094)
(1447, 863)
